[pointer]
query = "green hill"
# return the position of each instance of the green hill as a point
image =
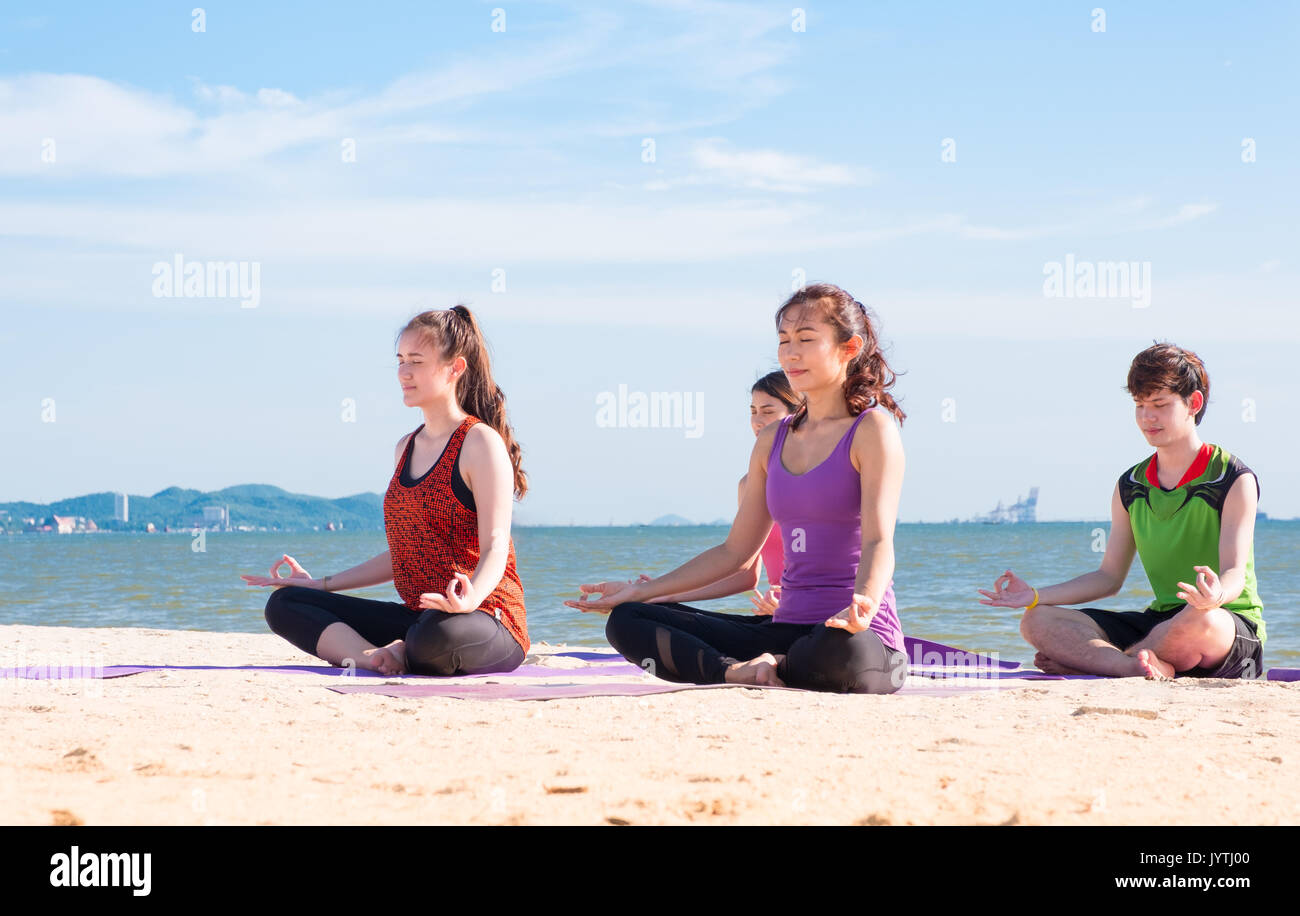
(249, 505)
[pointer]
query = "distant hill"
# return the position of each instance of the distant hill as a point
(249, 506)
(672, 520)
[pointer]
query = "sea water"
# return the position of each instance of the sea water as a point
(178, 581)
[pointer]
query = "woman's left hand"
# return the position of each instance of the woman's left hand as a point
(611, 594)
(766, 604)
(458, 600)
(856, 617)
(1206, 594)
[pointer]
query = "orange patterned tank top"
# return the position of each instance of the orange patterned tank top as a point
(433, 534)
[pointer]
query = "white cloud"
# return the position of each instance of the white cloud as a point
(721, 53)
(1186, 213)
(769, 170)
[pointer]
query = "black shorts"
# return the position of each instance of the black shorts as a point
(1124, 628)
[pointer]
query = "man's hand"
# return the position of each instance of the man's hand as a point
(1206, 594)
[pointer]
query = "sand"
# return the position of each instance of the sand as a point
(234, 747)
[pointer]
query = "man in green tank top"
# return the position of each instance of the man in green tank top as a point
(1189, 512)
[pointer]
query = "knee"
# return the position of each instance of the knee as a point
(1032, 623)
(278, 606)
(875, 671)
(616, 623)
(1202, 624)
(1027, 626)
(846, 663)
(431, 647)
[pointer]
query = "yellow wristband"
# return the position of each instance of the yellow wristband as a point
(1030, 606)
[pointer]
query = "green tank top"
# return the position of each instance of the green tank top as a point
(1177, 529)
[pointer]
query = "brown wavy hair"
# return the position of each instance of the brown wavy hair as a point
(868, 376)
(454, 332)
(1165, 365)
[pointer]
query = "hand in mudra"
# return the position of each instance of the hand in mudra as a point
(610, 594)
(856, 617)
(767, 603)
(1009, 591)
(297, 576)
(459, 598)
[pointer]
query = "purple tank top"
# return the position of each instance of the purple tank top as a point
(819, 516)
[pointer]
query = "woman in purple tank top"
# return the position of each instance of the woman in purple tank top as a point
(770, 400)
(829, 476)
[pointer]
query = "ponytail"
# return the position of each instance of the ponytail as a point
(456, 333)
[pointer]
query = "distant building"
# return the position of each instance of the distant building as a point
(1021, 511)
(67, 524)
(121, 512)
(214, 517)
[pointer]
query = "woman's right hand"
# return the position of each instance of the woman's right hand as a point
(766, 604)
(297, 576)
(1009, 591)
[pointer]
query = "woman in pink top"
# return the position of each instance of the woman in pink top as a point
(770, 400)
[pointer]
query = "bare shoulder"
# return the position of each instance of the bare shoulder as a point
(877, 426)
(401, 447)
(877, 435)
(481, 441)
(763, 447)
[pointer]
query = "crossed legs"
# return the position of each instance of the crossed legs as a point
(1071, 642)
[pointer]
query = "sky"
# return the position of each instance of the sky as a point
(624, 195)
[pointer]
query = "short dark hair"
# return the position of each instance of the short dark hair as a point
(1166, 365)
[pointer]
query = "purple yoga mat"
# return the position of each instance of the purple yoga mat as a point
(494, 691)
(924, 653)
(593, 656)
(53, 672)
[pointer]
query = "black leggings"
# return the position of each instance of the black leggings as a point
(690, 646)
(437, 642)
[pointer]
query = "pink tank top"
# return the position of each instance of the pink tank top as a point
(773, 555)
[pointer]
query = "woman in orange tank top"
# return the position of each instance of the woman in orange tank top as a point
(447, 517)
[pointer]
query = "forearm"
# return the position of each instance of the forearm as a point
(1233, 583)
(487, 574)
(1081, 590)
(698, 572)
(734, 584)
(875, 569)
(376, 570)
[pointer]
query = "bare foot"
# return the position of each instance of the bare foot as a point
(1153, 667)
(389, 659)
(760, 671)
(1052, 666)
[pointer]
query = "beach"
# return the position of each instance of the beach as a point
(224, 747)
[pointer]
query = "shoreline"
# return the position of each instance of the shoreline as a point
(248, 747)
